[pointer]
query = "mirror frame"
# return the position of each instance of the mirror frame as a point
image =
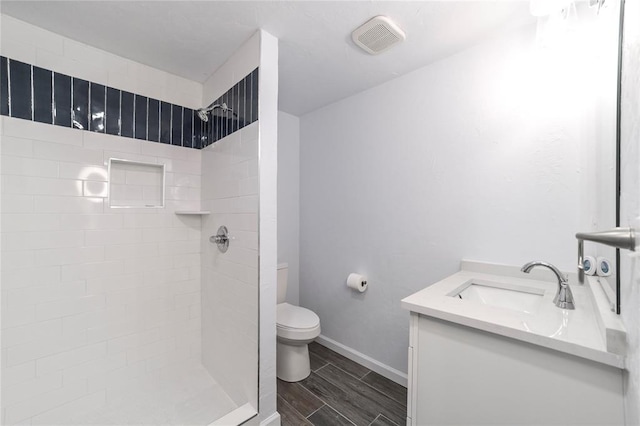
(618, 144)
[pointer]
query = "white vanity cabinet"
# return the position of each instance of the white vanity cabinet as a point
(472, 364)
(463, 376)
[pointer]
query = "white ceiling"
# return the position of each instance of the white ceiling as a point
(319, 64)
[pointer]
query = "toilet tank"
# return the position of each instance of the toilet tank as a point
(283, 271)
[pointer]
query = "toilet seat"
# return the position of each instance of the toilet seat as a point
(296, 323)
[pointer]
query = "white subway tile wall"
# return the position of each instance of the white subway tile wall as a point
(111, 297)
(230, 192)
(97, 300)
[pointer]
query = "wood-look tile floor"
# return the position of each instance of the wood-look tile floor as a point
(341, 392)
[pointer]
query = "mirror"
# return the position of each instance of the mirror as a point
(583, 40)
(629, 155)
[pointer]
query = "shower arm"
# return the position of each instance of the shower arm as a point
(621, 238)
(203, 113)
(223, 106)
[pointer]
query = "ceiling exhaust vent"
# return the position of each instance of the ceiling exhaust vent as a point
(377, 35)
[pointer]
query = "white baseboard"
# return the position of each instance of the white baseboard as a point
(272, 420)
(237, 416)
(372, 364)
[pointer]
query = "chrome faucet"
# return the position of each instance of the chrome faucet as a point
(564, 297)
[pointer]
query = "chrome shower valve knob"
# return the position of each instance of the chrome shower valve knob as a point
(221, 239)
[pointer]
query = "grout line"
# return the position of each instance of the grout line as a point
(350, 360)
(344, 371)
(382, 392)
(388, 419)
(33, 96)
(316, 410)
(348, 419)
(342, 415)
(322, 367)
(377, 417)
(290, 406)
(325, 402)
(366, 384)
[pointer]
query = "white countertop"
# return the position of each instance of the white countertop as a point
(590, 331)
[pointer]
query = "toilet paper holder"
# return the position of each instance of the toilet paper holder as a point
(357, 282)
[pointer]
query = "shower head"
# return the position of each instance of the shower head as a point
(203, 113)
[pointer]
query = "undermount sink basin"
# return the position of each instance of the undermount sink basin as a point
(514, 297)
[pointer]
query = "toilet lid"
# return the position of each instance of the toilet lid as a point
(295, 317)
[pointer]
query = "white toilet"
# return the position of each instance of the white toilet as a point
(296, 328)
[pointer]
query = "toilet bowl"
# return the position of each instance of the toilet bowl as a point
(296, 328)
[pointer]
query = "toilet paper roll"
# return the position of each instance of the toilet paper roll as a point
(357, 282)
(603, 266)
(589, 265)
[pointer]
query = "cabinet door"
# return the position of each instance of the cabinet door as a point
(467, 376)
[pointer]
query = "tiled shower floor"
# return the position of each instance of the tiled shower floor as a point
(184, 395)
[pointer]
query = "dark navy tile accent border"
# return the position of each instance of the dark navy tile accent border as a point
(153, 125)
(254, 95)
(176, 125)
(80, 96)
(199, 135)
(187, 128)
(242, 99)
(61, 100)
(97, 108)
(20, 90)
(126, 114)
(32, 93)
(165, 122)
(141, 117)
(4, 86)
(42, 95)
(113, 111)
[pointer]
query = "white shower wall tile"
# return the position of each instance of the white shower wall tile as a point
(18, 147)
(29, 167)
(95, 300)
(25, 129)
(230, 280)
(19, 373)
(75, 205)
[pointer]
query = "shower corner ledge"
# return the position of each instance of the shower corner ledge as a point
(193, 212)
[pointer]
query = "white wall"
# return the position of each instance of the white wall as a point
(94, 299)
(630, 204)
(289, 200)
(260, 50)
(27, 43)
(230, 280)
(268, 155)
(243, 61)
(479, 156)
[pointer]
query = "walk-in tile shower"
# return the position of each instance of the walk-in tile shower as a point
(116, 307)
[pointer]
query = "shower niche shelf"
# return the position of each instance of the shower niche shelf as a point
(135, 184)
(193, 212)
